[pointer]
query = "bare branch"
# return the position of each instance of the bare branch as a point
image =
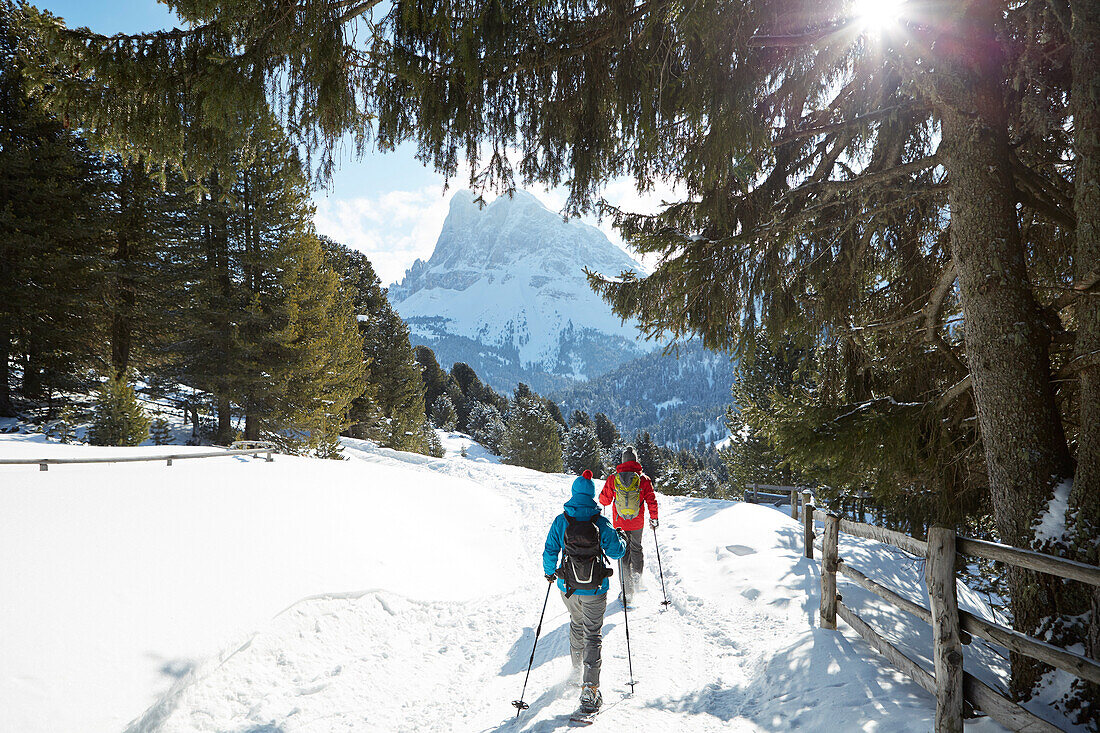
(954, 392)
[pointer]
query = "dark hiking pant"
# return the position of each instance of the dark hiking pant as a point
(632, 560)
(586, 633)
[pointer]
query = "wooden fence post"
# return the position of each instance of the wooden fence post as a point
(808, 524)
(828, 571)
(794, 504)
(947, 648)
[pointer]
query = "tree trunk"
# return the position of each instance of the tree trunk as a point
(1006, 340)
(223, 304)
(122, 321)
(251, 428)
(193, 410)
(33, 386)
(225, 422)
(7, 409)
(1085, 101)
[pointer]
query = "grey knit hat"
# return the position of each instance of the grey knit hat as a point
(629, 454)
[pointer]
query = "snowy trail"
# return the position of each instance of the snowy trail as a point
(707, 664)
(420, 585)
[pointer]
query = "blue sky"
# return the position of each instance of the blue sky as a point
(388, 206)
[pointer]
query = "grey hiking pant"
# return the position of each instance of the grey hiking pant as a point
(632, 560)
(586, 633)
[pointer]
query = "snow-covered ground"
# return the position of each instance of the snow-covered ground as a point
(395, 592)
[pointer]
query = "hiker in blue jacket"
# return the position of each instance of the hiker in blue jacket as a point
(582, 536)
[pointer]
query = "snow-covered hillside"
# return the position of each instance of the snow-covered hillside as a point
(395, 592)
(510, 277)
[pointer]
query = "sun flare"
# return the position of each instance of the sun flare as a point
(877, 15)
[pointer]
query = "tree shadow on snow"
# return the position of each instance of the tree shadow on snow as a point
(813, 685)
(696, 510)
(805, 574)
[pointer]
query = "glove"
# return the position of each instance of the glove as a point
(653, 522)
(622, 534)
(551, 577)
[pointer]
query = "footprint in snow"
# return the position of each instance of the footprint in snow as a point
(740, 550)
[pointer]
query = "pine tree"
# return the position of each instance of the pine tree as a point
(117, 416)
(159, 430)
(531, 437)
(522, 393)
(582, 450)
(63, 428)
(473, 391)
(436, 381)
(395, 373)
(580, 417)
(671, 480)
(750, 457)
(444, 415)
(267, 324)
(52, 239)
(323, 337)
(433, 443)
(555, 413)
(487, 426)
(141, 215)
(607, 432)
(391, 409)
(329, 446)
(649, 455)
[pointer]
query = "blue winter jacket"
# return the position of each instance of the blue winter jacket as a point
(582, 505)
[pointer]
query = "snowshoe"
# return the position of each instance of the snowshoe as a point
(591, 699)
(580, 718)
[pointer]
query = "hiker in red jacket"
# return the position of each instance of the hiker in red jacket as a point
(628, 487)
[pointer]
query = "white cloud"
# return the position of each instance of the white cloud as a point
(392, 229)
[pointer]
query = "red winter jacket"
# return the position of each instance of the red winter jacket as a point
(646, 495)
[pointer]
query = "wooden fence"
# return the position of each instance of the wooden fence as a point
(240, 448)
(951, 627)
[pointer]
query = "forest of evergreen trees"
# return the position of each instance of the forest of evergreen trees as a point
(216, 296)
(530, 430)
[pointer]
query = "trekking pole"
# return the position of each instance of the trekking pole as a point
(626, 622)
(519, 704)
(665, 602)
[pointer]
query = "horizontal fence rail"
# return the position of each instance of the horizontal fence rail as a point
(952, 627)
(44, 464)
(888, 536)
(1031, 560)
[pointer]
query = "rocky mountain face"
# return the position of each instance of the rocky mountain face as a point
(505, 292)
(505, 286)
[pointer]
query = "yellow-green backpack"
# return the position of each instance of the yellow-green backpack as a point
(628, 499)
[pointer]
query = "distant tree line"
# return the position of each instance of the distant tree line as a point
(529, 430)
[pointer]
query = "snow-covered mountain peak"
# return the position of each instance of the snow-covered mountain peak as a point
(510, 276)
(514, 235)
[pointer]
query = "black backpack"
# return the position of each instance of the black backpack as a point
(583, 566)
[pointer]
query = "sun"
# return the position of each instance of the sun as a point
(877, 16)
